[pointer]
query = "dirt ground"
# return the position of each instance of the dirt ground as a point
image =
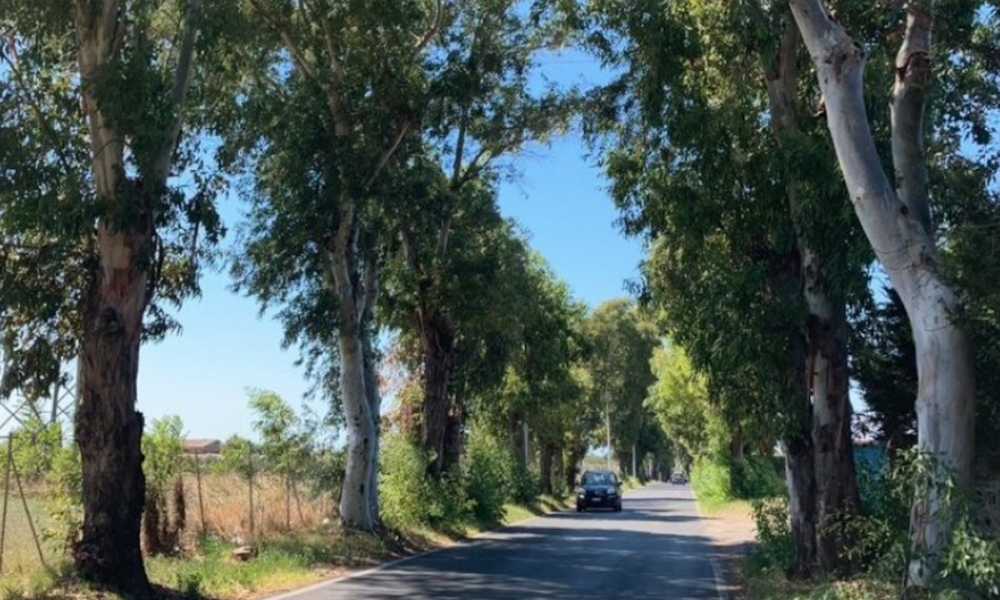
(732, 531)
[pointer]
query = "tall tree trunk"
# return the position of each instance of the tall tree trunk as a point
(573, 466)
(437, 344)
(356, 494)
(828, 378)
(372, 388)
(108, 427)
(897, 223)
(836, 480)
(800, 470)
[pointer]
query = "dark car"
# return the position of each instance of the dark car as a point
(678, 478)
(599, 489)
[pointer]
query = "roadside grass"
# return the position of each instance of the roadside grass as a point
(283, 562)
(724, 508)
(777, 587)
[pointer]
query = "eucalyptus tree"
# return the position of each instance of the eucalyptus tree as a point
(481, 109)
(622, 343)
(712, 160)
(99, 235)
(896, 212)
(327, 110)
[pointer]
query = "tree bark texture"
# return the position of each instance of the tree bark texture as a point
(827, 370)
(356, 500)
(437, 342)
(108, 428)
(897, 223)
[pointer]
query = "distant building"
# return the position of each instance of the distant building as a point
(203, 447)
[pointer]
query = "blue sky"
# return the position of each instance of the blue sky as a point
(558, 198)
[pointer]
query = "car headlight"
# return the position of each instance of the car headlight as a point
(612, 491)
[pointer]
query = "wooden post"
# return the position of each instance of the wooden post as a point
(288, 500)
(6, 496)
(201, 501)
(253, 535)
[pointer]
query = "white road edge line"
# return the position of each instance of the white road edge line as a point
(721, 587)
(471, 541)
(720, 581)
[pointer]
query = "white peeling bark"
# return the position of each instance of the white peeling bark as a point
(898, 228)
(356, 495)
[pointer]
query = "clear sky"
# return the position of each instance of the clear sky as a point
(558, 197)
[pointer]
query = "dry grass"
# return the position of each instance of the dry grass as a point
(277, 508)
(21, 564)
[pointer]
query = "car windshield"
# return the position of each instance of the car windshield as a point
(598, 479)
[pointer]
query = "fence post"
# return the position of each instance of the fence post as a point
(6, 496)
(201, 501)
(27, 511)
(253, 536)
(288, 499)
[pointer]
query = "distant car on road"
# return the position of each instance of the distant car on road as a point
(678, 479)
(599, 489)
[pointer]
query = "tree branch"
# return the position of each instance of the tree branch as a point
(913, 75)
(432, 29)
(390, 150)
(293, 48)
(178, 95)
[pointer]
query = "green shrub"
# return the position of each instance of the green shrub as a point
(712, 481)
(775, 549)
(66, 505)
(755, 478)
(35, 448)
(408, 497)
(527, 485)
(493, 476)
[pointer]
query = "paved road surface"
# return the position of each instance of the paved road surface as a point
(654, 548)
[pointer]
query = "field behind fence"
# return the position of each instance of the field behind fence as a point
(239, 508)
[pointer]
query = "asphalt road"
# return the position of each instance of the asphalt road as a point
(654, 548)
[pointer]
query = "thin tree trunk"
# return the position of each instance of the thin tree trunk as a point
(546, 456)
(454, 434)
(897, 223)
(573, 466)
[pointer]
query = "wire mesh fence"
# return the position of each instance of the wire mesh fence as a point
(208, 499)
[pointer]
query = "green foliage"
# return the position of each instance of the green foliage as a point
(972, 561)
(163, 449)
(490, 475)
(237, 457)
(755, 477)
(885, 365)
(622, 341)
(680, 401)
(35, 448)
(408, 496)
(775, 549)
(66, 504)
(712, 481)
